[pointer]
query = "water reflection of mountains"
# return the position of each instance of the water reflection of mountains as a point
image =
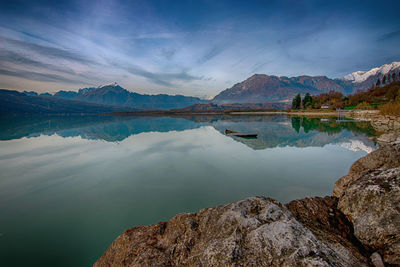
(272, 131)
(107, 128)
(300, 132)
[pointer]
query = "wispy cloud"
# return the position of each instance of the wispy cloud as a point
(53, 52)
(35, 76)
(390, 36)
(212, 52)
(168, 53)
(163, 35)
(259, 66)
(194, 47)
(20, 59)
(160, 78)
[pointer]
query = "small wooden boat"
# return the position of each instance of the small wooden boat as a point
(242, 135)
(227, 131)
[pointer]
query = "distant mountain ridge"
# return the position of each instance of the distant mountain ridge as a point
(13, 102)
(269, 88)
(115, 95)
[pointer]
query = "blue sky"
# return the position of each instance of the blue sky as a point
(189, 47)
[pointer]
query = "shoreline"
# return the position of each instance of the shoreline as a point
(226, 112)
(387, 126)
(322, 113)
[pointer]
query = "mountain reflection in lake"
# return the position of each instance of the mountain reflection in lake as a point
(70, 185)
(273, 131)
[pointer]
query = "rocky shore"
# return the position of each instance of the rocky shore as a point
(358, 226)
(387, 126)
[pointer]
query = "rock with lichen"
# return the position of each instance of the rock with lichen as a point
(372, 204)
(257, 231)
(383, 158)
(323, 218)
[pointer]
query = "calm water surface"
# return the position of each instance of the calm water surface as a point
(70, 185)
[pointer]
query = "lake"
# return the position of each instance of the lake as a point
(70, 185)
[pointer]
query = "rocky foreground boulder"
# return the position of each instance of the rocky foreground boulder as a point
(384, 158)
(372, 204)
(369, 196)
(323, 218)
(257, 231)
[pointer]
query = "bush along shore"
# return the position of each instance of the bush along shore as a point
(385, 98)
(357, 226)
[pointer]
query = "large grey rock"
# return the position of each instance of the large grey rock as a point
(323, 218)
(372, 204)
(376, 260)
(257, 231)
(383, 158)
(388, 138)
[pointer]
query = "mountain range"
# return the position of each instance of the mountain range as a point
(16, 102)
(269, 91)
(269, 88)
(115, 95)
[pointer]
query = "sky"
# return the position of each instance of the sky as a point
(195, 48)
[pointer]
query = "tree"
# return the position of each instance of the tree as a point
(296, 123)
(308, 100)
(298, 100)
(296, 103)
(307, 124)
(378, 82)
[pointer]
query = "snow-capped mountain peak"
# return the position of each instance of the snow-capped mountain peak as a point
(361, 76)
(114, 84)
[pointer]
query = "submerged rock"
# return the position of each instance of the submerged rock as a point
(257, 231)
(372, 204)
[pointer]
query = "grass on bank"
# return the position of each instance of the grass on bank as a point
(392, 108)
